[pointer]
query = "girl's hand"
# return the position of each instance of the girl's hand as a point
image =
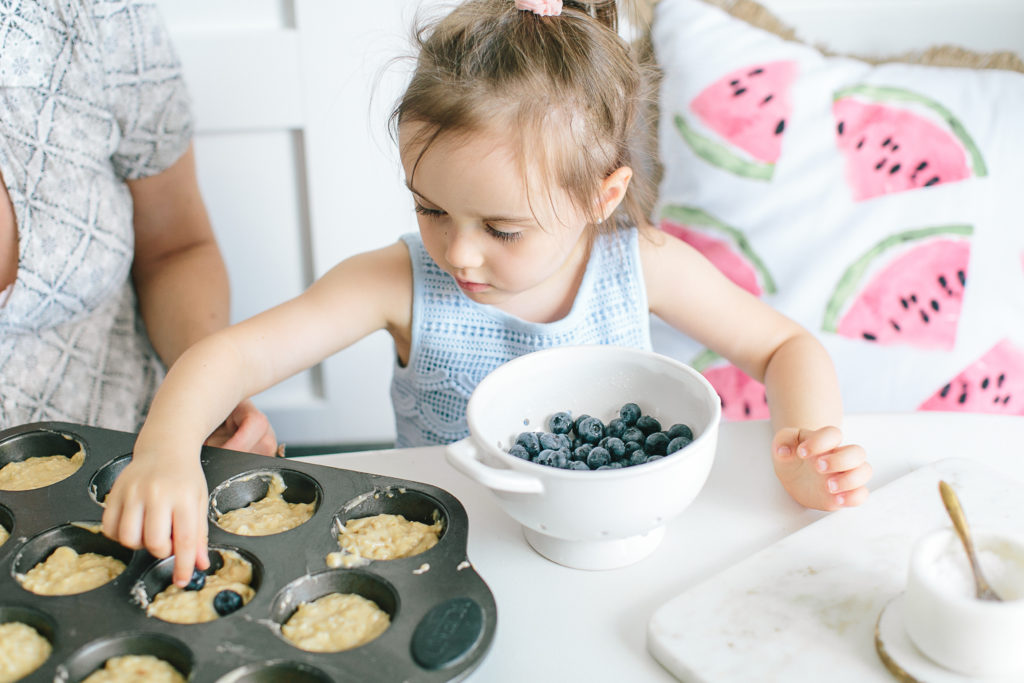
(245, 429)
(817, 471)
(159, 503)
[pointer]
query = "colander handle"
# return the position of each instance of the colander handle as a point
(462, 456)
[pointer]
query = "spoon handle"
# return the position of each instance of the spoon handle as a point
(956, 513)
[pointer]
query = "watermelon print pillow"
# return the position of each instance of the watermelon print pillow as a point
(877, 204)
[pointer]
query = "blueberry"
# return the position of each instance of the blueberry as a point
(197, 582)
(633, 434)
(677, 443)
(550, 441)
(597, 457)
(648, 425)
(678, 430)
(578, 465)
(615, 427)
(518, 451)
(581, 452)
(226, 602)
(560, 423)
(637, 458)
(615, 465)
(629, 413)
(576, 424)
(632, 446)
(591, 430)
(561, 459)
(655, 457)
(545, 457)
(615, 447)
(656, 443)
(530, 441)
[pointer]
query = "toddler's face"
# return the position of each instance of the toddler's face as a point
(503, 242)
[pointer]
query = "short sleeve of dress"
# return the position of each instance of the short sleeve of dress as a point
(144, 86)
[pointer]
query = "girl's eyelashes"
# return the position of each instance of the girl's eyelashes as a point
(430, 213)
(503, 236)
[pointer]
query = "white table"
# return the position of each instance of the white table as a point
(559, 623)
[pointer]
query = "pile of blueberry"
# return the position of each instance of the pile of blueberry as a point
(586, 443)
(224, 603)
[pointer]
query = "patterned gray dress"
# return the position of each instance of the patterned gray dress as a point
(91, 94)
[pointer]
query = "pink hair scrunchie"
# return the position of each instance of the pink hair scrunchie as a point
(544, 8)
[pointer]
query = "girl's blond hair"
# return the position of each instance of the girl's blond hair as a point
(569, 90)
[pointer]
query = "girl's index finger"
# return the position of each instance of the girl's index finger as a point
(815, 441)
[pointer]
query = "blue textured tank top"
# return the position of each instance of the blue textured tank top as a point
(456, 341)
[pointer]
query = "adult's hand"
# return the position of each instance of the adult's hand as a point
(245, 429)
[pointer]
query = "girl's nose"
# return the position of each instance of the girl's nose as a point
(462, 250)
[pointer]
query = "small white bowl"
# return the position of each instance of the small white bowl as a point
(585, 519)
(947, 622)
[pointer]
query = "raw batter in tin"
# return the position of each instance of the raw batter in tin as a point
(135, 668)
(271, 515)
(180, 606)
(22, 651)
(335, 622)
(65, 572)
(383, 537)
(40, 471)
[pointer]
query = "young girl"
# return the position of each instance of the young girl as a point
(516, 135)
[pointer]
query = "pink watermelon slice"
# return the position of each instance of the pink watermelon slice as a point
(895, 140)
(743, 398)
(748, 108)
(992, 384)
(723, 245)
(915, 294)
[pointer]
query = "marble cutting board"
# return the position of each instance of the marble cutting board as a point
(804, 609)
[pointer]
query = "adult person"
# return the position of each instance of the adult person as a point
(109, 268)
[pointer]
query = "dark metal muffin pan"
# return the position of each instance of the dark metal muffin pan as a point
(443, 615)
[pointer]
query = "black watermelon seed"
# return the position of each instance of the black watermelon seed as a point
(769, 98)
(739, 92)
(984, 383)
(923, 165)
(894, 169)
(895, 325)
(960, 275)
(734, 82)
(780, 127)
(932, 181)
(999, 382)
(963, 395)
(945, 391)
(924, 316)
(868, 336)
(903, 302)
(880, 164)
(935, 305)
(885, 143)
(756, 72)
(839, 128)
(860, 144)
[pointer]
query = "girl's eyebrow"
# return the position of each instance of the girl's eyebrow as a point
(486, 219)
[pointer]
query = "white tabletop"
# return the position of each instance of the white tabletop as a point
(557, 622)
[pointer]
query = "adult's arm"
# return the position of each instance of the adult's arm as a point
(182, 283)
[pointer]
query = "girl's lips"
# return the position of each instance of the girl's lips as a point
(471, 286)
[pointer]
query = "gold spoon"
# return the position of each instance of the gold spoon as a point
(956, 513)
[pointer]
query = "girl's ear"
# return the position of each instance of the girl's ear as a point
(613, 191)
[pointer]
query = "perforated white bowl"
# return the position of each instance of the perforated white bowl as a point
(579, 518)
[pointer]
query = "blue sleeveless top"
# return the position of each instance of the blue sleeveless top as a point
(456, 342)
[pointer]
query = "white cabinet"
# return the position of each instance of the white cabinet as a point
(298, 172)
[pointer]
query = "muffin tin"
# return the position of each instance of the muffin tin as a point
(443, 615)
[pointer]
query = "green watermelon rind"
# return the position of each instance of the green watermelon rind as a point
(849, 284)
(881, 93)
(718, 155)
(703, 360)
(690, 215)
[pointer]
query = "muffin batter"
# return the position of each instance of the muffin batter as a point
(175, 604)
(335, 622)
(4, 535)
(133, 668)
(271, 515)
(65, 572)
(383, 537)
(40, 471)
(22, 651)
